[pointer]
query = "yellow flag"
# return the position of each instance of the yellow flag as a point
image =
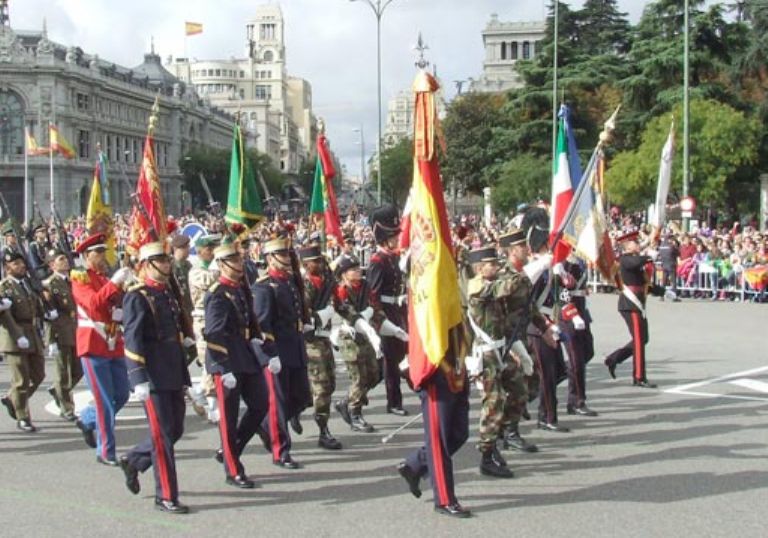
(193, 28)
(99, 216)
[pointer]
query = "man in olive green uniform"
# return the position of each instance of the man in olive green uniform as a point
(58, 292)
(19, 340)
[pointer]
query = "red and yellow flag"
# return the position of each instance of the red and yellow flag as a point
(32, 147)
(193, 28)
(149, 196)
(434, 307)
(323, 205)
(59, 144)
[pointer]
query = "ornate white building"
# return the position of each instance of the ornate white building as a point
(92, 101)
(276, 107)
(505, 43)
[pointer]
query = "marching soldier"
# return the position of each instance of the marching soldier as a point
(388, 289)
(10, 242)
(235, 361)
(632, 308)
(157, 370)
(69, 371)
(20, 342)
(38, 250)
(202, 275)
(279, 306)
(358, 341)
(319, 287)
(99, 339)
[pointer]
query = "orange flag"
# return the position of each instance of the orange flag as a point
(434, 306)
(193, 28)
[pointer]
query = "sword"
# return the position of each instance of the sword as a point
(387, 438)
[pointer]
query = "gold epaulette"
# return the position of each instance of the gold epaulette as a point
(214, 287)
(135, 287)
(80, 276)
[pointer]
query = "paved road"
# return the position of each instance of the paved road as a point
(689, 459)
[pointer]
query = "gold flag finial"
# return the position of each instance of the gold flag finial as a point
(610, 125)
(154, 115)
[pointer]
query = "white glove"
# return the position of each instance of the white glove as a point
(141, 391)
(367, 314)
(474, 364)
(558, 269)
(117, 315)
(364, 327)
(229, 380)
(403, 263)
(308, 327)
(22, 342)
(390, 329)
(120, 276)
(578, 323)
(275, 365)
(554, 330)
(535, 268)
(526, 362)
(188, 342)
(5, 304)
(51, 315)
(53, 349)
(334, 338)
(325, 315)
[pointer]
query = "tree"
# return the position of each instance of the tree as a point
(724, 142)
(397, 167)
(603, 29)
(523, 179)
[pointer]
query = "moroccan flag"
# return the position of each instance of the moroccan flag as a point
(243, 202)
(148, 223)
(32, 147)
(193, 28)
(99, 215)
(59, 144)
(566, 174)
(434, 306)
(323, 206)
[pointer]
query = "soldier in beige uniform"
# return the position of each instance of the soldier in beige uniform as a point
(19, 340)
(58, 292)
(202, 276)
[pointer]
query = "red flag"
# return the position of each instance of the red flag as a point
(150, 197)
(323, 203)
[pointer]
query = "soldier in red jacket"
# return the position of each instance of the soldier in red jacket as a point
(100, 345)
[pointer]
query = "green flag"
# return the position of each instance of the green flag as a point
(243, 202)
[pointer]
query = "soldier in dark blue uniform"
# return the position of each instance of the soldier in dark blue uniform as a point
(157, 370)
(234, 358)
(387, 288)
(279, 306)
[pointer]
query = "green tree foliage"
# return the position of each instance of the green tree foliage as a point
(725, 143)
(397, 165)
(525, 178)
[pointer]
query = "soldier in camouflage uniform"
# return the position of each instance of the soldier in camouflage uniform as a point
(58, 292)
(319, 285)
(359, 341)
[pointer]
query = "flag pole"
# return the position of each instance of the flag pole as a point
(50, 161)
(26, 174)
(554, 84)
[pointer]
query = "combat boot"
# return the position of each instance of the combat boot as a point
(326, 440)
(492, 464)
(514, 440)
(359, 424)
(342, 406)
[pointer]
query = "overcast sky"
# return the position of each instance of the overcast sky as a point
(331, 43)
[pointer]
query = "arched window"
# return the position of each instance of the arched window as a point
(11, 124)
(526, 50)
(269, 56)
(513, 50)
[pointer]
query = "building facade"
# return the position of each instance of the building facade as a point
(93, 103)
(276, 106)
(399, 118)
(505, 44)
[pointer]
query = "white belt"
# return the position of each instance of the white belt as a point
(577, 293)
(99, 326)
(389, 299)
(491, 346)
(321, 332)
(198, 313)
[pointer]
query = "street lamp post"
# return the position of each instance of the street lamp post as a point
(686, 110)
(378, 8)
(362, 154)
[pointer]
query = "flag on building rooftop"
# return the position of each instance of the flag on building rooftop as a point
(193, 28)
(435, 319)
(323, 206)
(59, 144)
(243, 202)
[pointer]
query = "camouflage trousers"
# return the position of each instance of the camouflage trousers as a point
(322, 374)
(363, 369)
(505, 393)
(206, 380)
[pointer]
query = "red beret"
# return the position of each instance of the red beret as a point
(91, 242)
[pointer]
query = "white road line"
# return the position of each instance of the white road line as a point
(685, 388)
(716, 395)
(751, 384)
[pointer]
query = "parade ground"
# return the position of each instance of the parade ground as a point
(688, 459)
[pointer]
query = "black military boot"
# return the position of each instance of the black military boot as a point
(342, 406)
(295, 423)
(359, 424)
(326, 440)
(492, 464)
(514, 440)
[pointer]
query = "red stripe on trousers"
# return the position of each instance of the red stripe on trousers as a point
(638, 338)
(437, 453)
(274, 430)
(229, 458)
(159, 442)
(99, 406)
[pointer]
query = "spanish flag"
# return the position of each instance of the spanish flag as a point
(99, 215)
(323, 206)
(435, 319)
(32, 147)
(243, 202)
(59, 144)
(193, 28)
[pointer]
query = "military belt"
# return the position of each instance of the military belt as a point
(198, 313)
(578, 293)
(321, 333)
(390, 299)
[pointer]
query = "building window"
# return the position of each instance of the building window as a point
(262, 92)
(513, 50)
(83, 102)
(242, 93)
(11, 124)
(242, 74)
(135, 150)
(503, 50)
(110, 150)
(526, 50)
(267, 31)
(84, 144)
(218, 72)
(269, 56)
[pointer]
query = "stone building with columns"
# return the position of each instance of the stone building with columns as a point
(93, 102)
(505, 44)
